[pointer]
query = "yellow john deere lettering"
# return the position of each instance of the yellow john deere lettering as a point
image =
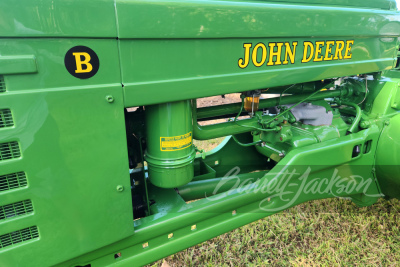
(281, 53)
(176, 142)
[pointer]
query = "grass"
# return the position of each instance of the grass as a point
(319, 233)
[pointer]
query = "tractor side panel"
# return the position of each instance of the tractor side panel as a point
(63, 153)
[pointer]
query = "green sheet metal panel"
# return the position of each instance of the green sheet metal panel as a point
(174, 50)
(383, 4)
(49, 54)
(222, 19)
(191, 68)
(72, 149)
(57, 18)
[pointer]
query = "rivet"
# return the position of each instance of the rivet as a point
(145, 245)
(193, 227)
(171, 235)
(120, 188)
(110, 98)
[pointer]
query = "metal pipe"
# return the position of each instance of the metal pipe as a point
(221, 110)
(247, 125)
(249, 144)
(223, 129)
(207, 188)
(357, 119)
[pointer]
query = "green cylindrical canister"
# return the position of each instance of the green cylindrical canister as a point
(170, 152)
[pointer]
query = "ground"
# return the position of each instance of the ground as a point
(327, 232)
(324, 232)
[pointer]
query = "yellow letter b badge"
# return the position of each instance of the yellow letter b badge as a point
(81, 62)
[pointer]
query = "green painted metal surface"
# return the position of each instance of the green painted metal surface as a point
(64, 137)
(387, 158)
(170, 153)
(73, 152)
(216, 70)
(208, 36)
(17, 64)
(73, 165)
(58, 18)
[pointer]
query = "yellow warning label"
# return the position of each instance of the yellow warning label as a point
(176, 142)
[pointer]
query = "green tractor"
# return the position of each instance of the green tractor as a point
(98, 113)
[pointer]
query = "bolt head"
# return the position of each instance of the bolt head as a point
(110, 98)
(120, 188)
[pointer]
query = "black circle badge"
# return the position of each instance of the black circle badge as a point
(81, 62)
